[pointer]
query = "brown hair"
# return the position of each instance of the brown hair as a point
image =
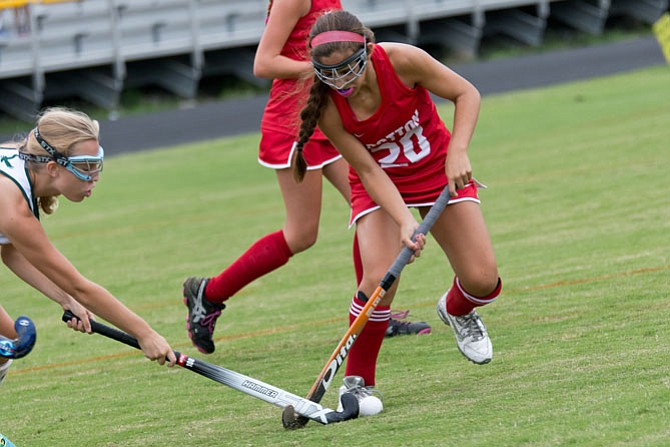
(310, 114)
(62, 128)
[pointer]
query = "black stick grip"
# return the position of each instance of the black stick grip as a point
(107, 331)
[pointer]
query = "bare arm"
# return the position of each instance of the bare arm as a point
(18, 264)
(415, 66)
(28, 237)
(269, 63)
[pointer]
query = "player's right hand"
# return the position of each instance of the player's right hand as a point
(156, 348)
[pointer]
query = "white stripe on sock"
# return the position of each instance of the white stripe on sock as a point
(378, 315)
(471, 298)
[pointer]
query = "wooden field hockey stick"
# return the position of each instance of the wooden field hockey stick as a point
(240, 382)
(290, 419)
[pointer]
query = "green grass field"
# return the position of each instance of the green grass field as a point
(578, 210)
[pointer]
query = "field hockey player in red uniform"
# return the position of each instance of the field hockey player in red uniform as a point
(373, 102)
(283, 56)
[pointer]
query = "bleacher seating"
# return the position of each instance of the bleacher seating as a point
(108, 45)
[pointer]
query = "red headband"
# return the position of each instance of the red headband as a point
(336, 36)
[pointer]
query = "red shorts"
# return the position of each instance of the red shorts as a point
(362, 204)
(276, 151)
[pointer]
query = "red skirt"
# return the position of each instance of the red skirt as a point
(276, 151)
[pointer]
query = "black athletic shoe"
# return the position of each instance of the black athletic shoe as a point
(398, 327)
(202, 314)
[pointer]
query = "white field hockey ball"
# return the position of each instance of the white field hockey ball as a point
(369, 406)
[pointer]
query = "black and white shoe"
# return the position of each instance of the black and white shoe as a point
(368, 403)
(202, 314)
(398, 326)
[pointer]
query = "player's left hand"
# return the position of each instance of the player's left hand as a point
(458, 170)
(83, 321)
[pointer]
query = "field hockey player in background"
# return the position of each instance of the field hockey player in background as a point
(373, 102)
(60, 156)
(282, 55)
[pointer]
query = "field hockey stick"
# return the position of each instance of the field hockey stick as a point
(292, 420)
(23, 343)
(248, 385)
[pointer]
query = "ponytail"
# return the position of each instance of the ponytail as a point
(309, 117)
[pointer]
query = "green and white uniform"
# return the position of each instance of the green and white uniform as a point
(15, 168)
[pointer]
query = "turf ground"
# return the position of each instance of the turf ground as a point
(579, 214)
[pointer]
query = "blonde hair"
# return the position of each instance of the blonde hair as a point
(62, 128)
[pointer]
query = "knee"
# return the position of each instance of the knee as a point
(482, 283)
(302, 240)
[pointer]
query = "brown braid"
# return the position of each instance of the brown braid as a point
(309, 117)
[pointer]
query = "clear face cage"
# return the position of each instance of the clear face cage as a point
(342, 75)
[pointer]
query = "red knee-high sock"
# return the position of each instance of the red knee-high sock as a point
(358, 263)
(460, 302)
(265, 255)
(362, 360)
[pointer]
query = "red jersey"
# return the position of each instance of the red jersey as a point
(405, 136)
(281, 121)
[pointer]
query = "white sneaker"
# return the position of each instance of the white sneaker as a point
(369, 405)
(472, 338)
(4, 368)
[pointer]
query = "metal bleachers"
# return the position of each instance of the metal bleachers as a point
(243, 22)
(97, 48)
(72, 34)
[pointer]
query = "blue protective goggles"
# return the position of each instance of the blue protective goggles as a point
(84, 167)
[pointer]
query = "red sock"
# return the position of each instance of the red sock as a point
(460, 302)
(265, 255)
(362, 360)
(358, 263)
